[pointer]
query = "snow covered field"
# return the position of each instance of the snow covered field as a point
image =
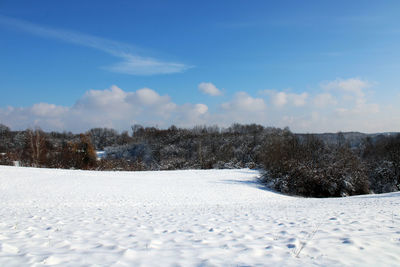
(186, 218)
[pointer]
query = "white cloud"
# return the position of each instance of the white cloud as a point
(112, 97)
(343, 104)
(131, 62)
(353, 95)
(119, 109)
(299, 100)
(359, 109)
(281, 98)
(189, 115)
(353, 85)
(209, 89)
(242, 102)
(149, 97)
(324, 100)
(201, 108)
(111, 107)
(242, 108)
(50, 110)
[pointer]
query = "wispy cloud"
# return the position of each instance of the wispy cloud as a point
(136, 65)
(131, 63)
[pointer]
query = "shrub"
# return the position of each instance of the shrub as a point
(5, 159)
(311, 169)
(78, 154)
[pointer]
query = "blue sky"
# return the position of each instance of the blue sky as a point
(314, 66)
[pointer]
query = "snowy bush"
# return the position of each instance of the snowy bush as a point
(382, 158)
(382, 178)
(312, 169)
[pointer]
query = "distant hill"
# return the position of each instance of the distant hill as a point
(353, 138)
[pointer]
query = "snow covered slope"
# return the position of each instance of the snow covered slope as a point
(186, 218)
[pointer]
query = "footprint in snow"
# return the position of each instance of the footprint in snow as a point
(346, 241)
(291, 245)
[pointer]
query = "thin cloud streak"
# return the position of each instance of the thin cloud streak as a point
(131, 63)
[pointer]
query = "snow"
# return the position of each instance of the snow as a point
(186, 218)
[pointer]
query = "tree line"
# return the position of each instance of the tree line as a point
(299, 164)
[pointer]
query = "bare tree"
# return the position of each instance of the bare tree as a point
(35, 150)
